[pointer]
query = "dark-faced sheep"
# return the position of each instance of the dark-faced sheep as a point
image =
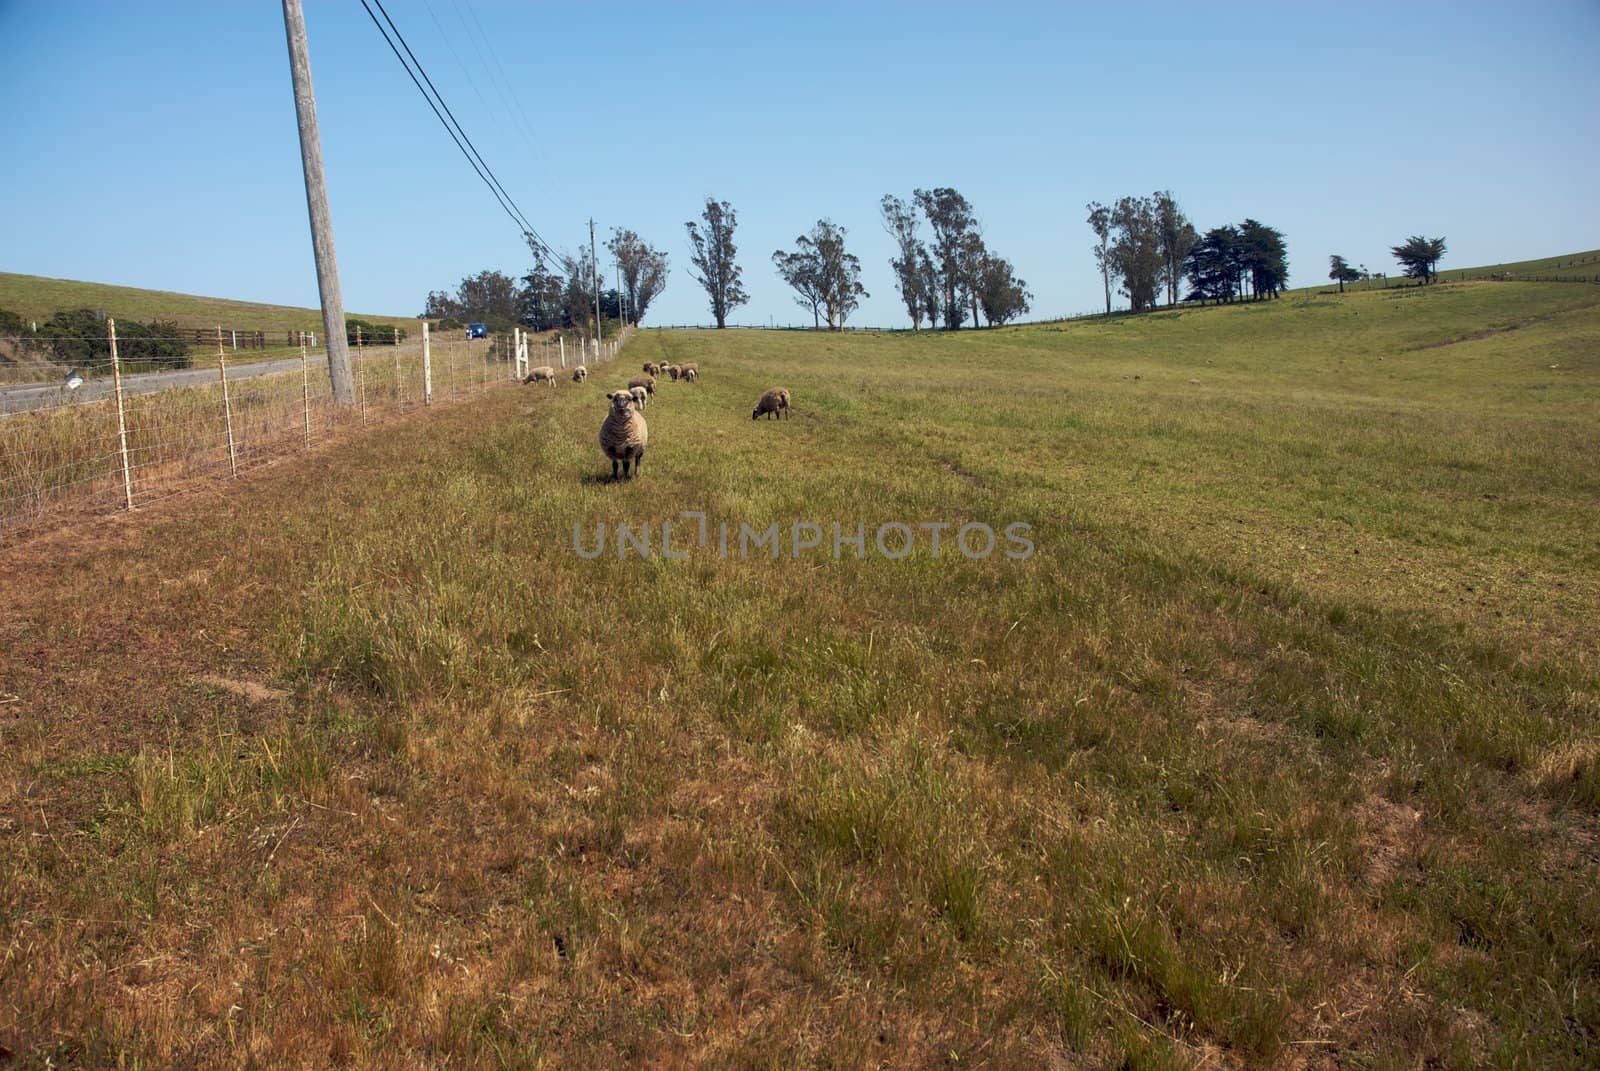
(671, 370)
(544, 373)
(647, 382)
(651, 369)
(691, 375)
(623, 434)
(774, 403)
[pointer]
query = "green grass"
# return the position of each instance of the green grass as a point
(1280, 751)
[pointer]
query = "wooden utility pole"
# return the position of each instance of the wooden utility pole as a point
(305, 108)
(599, 332)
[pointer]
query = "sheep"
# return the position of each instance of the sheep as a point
(647, 382)
(541, 374)
(579, 374)
(691, 375)
(640, 396)
(774, 402)
(685, 369)
(624, 434)
(672, 370)
(652, 369)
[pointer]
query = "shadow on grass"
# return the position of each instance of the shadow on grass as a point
(602, 479)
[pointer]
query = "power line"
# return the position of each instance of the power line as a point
(509, 91)
(454, 121)
(458, 133)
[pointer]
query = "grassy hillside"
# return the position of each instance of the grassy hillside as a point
(1570, 264)
(1279, 751)
(34, 297)
(1585, 265)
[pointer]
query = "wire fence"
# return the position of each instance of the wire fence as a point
(90, 445)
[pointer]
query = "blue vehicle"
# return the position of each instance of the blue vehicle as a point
(477, 330)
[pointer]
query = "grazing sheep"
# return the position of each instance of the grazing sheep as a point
(624, 433)
(691, 375)
(685, 369)
(640, 396)
(652, 369)
(672, 370)
(647, 382)
(541, 374)
(774, 403)
(579, 374)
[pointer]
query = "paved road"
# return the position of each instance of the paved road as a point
(45, 395)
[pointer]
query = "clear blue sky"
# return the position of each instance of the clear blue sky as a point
(153, 144)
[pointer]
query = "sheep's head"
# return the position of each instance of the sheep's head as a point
(620, 401)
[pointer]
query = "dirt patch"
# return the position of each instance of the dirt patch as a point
(250, 691)
(971, 479)
(1388, 832)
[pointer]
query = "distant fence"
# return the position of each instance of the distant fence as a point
(240, 339)
(125, 440)
(1519, 277)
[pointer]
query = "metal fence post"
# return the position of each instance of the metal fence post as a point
(427, 368)
(305, 388)
(361, 372)
(122, 425)
(227, 406)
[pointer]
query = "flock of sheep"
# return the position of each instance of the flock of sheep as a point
(624, 433)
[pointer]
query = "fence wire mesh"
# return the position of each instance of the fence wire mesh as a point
(64, 453)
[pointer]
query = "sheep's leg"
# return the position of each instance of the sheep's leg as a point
(613, 468)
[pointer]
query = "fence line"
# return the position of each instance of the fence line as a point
(134, 445)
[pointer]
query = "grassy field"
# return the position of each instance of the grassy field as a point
(1279, 751)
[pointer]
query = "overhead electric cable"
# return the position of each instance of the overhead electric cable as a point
(459, 135)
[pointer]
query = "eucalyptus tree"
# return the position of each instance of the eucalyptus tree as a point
(643, 270)
(954, 225)
(826, 276)
(1100, 224)
(714, 258)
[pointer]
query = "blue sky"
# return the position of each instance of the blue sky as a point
(153, 144)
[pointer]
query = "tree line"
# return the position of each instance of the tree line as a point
(1418, 258)
(943, 269)
(552, 297)
(1147, 247)
(944, 280)
(78, 338)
